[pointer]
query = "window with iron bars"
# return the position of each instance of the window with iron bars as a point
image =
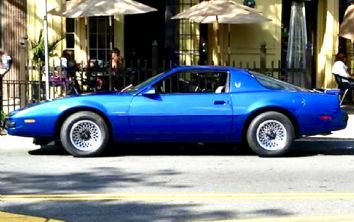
(188, 36)
(101, 36)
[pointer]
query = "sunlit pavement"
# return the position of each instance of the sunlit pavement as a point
(180, 199)
(10, 217)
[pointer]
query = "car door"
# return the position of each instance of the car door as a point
(181, 112)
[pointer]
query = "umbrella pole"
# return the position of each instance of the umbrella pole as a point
(229, 44)
(218, 41)
(46, 53)
(86, 40)
(111, 47)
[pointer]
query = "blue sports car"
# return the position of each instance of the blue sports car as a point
(186, 104)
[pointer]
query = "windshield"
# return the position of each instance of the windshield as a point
(136, 88)
(272, 83)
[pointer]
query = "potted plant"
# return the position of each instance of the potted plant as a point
(38, 56)
(38, 49)
(2, 118)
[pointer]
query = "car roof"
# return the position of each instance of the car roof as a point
(207, 67)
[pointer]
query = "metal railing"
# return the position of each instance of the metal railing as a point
(17, 94)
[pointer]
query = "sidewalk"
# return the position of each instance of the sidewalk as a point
(8, 142)
(11, 142)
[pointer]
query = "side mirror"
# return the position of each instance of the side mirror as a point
(149, 91)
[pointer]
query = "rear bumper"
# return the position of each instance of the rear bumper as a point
(316, 126)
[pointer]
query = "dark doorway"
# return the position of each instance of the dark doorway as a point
(311, 15)
(141, 30)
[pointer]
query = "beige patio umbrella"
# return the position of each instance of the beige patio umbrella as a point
(347, 27)
(221, 11)
(88, 8)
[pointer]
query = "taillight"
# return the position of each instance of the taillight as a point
(325, 117)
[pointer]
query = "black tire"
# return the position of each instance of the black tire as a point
(84, 134)
(270, 134)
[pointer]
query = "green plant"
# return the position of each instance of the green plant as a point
(38, 49)
(2, 117)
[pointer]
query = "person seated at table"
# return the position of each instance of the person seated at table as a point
(340, 68)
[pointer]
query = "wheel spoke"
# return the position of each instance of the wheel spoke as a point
(271, 135)
(86, 135)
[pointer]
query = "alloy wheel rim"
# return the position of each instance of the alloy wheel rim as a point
(271, 135)
(86, 135)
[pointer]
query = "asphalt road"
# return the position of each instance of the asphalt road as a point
(315, 182)
(179, 183)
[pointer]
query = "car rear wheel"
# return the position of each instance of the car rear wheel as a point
(84, 134)
(270, 134)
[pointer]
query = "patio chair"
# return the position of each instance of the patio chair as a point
(345, 85)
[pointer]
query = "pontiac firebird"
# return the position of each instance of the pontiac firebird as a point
(185, 104)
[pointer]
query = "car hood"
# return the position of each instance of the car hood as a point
(91, 99)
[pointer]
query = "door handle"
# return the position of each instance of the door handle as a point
(219, 102)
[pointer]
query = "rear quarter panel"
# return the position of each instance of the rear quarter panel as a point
(315, 105)
(249, 98)
(247, 105)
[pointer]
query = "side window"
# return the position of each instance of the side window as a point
(193, 82)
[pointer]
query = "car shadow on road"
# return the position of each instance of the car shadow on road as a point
(322, 146)
(152, 149)
(300, 148)
(50, 150)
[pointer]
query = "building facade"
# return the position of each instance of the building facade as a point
(13, 36)
(180, 41)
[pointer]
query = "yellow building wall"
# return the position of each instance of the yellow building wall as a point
(56, 29)
(246, 39)
(190, 38)
(327, 42)
(35, 18)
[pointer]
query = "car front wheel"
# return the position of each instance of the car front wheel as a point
(270, 134)
(84, 134)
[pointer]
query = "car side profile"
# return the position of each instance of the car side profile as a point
(185, 104)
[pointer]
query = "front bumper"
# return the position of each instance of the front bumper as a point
(8, 124)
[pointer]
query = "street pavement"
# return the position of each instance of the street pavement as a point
(180, 187)
(13, 142)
